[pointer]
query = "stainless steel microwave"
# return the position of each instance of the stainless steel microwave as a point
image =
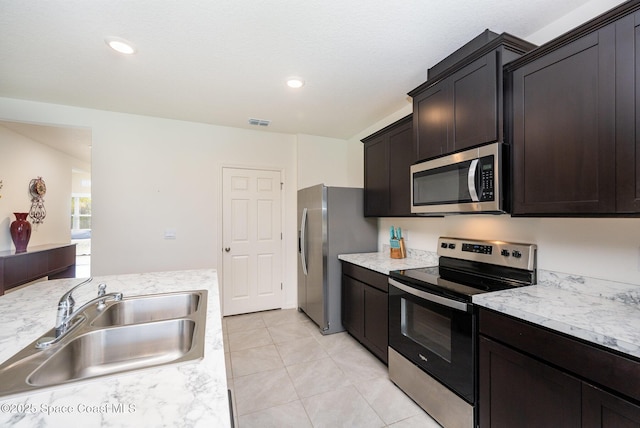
(466, 182)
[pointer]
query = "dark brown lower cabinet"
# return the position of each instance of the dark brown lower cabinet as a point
(353, 306)
(533, 377)
(365, 312)
(602, 409)
(518, 391)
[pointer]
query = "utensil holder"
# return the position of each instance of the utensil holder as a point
(397, 250)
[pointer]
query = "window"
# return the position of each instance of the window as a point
(80, 212)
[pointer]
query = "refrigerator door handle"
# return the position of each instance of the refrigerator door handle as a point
(303, 227)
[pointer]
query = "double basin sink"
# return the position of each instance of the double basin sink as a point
(130, 334)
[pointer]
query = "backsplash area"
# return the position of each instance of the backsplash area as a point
(586, 250)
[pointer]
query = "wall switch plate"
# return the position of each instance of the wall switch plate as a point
(169, 234)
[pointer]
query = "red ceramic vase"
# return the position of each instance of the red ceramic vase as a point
(20, 232)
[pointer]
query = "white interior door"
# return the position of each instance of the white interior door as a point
(252, 240)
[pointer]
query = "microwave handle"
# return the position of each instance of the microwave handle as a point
(471, 180)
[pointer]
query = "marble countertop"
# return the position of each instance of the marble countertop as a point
(383, 263)
(191, 394)
(601, 312)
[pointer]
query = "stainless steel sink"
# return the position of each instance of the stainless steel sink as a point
(132, 334)
(123, 349)
(148, 308)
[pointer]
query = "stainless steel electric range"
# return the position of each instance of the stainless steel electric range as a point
(432, 322)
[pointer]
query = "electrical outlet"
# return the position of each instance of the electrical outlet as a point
(405, 234)
(169, 234)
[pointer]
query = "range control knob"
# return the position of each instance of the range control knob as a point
(504, 253)
(452, 246)
(443, 245)
(517, 254)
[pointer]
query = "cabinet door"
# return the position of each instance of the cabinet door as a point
(17, 271)
(376, 321)
(475, 103)
(431, 116)
(603, 410)
(402, 154)
(376, 178)
(564, 129)
(518, 391)
(353, 306)
(627, 114)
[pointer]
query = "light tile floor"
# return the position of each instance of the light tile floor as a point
(284, 373)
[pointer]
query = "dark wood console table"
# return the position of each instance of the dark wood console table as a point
(52, 260)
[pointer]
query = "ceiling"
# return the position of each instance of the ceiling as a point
(225, 61)
(75, 142)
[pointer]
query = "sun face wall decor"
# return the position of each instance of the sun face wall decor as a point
(37, 189)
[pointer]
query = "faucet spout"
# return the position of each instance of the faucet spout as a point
(67, 318)
(67, 302)
(66, 322)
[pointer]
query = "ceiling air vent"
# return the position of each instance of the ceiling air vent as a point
(259, 122)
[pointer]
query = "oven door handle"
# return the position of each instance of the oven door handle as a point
(453, 304)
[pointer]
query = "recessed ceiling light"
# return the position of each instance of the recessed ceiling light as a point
(121, 45)
(295, 82)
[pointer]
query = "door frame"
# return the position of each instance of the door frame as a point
(220, 212)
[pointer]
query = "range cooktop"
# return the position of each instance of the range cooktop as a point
(468, 267)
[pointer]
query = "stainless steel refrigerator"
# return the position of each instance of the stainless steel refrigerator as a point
(330, 222)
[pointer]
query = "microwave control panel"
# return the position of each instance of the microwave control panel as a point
(486, 179)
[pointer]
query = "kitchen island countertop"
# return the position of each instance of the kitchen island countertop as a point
(191, 394)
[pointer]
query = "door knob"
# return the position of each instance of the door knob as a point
(227, 249)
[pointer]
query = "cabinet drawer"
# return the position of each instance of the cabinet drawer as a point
(585, 360)
(369, 277)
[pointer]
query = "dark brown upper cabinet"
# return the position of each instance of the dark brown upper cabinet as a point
(388, 154)
(461, 103)
(628, 114)
(574, 124)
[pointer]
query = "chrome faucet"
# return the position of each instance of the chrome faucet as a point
(67, 318)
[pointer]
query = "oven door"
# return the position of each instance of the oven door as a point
(436, 334)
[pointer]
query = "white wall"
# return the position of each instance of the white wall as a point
(21, 160)
(322, 160)
(149, 174)
(81, 181)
